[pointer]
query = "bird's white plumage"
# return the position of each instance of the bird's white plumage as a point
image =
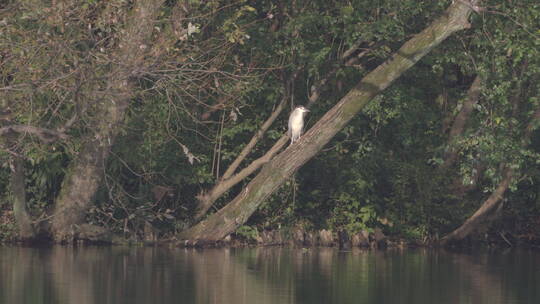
(296, 123)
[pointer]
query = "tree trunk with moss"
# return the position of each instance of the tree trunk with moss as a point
(279, 169)
(84, 175)
(85, 172)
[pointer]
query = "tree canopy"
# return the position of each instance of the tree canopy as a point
(134, 117)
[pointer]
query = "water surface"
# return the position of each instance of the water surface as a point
(87, 275)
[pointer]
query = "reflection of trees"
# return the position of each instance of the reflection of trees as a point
(262, 275)
(240, 276)
(409, 276)
(485, 285)
(26, 279)
(93, 275)
(143, 275)
(427, 276)
(71, 273)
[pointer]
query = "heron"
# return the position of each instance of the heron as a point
(296, 123)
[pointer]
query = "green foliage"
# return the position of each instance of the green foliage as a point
(8, 229)
(349, 215)
(386, 164)
(218, 72)
(248, 233)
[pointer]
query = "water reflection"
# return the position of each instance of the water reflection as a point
(264, 275)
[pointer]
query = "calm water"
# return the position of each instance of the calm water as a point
(264, 275)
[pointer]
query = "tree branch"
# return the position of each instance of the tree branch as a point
(247, 149)
(45, 135)
(487, 208)
(207, 199)
(495, 199)
(281, 167)
(84, 172)
(461, 119)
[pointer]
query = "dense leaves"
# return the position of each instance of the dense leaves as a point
(216, 70)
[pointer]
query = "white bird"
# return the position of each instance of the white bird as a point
(296, 123)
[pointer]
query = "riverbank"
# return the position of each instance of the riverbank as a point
(295, 236)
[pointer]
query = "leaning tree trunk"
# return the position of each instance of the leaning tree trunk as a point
(278, 170)
(230, 178)
(494, 201)
(84, 174)
(483, 213)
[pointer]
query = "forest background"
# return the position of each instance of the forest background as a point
(132, 118)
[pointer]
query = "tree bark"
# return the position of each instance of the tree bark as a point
(456, 131)
(227, 181)
(11, 134)
(17, 178)
(229, 178)
(251, 144)
(487, 208)
(494, 200)
(18, 190)
(279, 169)
(459, 122)
(85, 171)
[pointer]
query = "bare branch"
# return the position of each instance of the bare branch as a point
(45, 135)
(472, 5)
(243, 154)
(69, 123)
